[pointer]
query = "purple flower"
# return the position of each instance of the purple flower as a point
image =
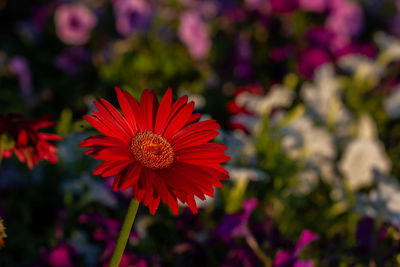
(364, 233)
(365, 236)
(290, 257)
(131, 15)
(107, 229)
(317, 6)
(74, 23)
(235, 225)
(243, 58)
(310, 59)
(19, 66)
(345, 21)
(284, 6)
(395, 24)
(241, 257)
(281, 53)
(194, 34)
(41, 14)
(71, 60)
(319, 36)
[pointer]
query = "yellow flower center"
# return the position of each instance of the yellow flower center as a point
(152, 150)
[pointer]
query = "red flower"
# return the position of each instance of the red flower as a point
(160, 150)
(30, 146)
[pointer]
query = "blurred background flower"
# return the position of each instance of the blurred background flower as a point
(308, 96)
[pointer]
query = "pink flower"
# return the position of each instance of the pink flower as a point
(317, 6)
(345, 21)
(131, 15)
(194, 34)
(74, 23)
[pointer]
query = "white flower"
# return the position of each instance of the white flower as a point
(390, 47)
(323, 97)
(383, 202)
(392, 104)
(240, 173)
(362, 67)
(91, 190)
(302, 139)
(199, 100)
(314, 147)
(250, 122)
(363, 155)
(278, 96)
(241, 147)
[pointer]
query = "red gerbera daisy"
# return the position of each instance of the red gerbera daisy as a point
(30, 145)
(160, 150)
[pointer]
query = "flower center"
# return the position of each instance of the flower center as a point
(152, 150)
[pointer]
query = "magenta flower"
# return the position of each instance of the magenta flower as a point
(317, 6)
(74, 23)
(367, 50)
(311, 59)
(60, 256)
(193, 33)
(291, 257)
(284, 6)
(131, 16)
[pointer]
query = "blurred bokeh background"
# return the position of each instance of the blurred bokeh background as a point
(308, 96)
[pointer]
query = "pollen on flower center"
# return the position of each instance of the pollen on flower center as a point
(152, 150)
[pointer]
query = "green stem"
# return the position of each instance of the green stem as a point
(124, 234)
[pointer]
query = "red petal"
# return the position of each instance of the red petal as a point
(127, 109)
(163, 112)
(202, 154)
(148, 109)
(101, 140)
(111, 153)
(193, 119)
(174, 179)
(176, 107)
(112, 117)
(179, 120)
(193, 134)
(106, 129)
(118, 117)
(111, 168)
(192, 203)
(130, 176)
(136, 110)
(50, 137)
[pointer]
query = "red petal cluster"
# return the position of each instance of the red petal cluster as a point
(160, 150)
(29, 145)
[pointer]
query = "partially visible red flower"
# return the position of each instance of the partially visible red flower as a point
(30, 145)
(2, 233)
(160, 150)
(254, 89)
